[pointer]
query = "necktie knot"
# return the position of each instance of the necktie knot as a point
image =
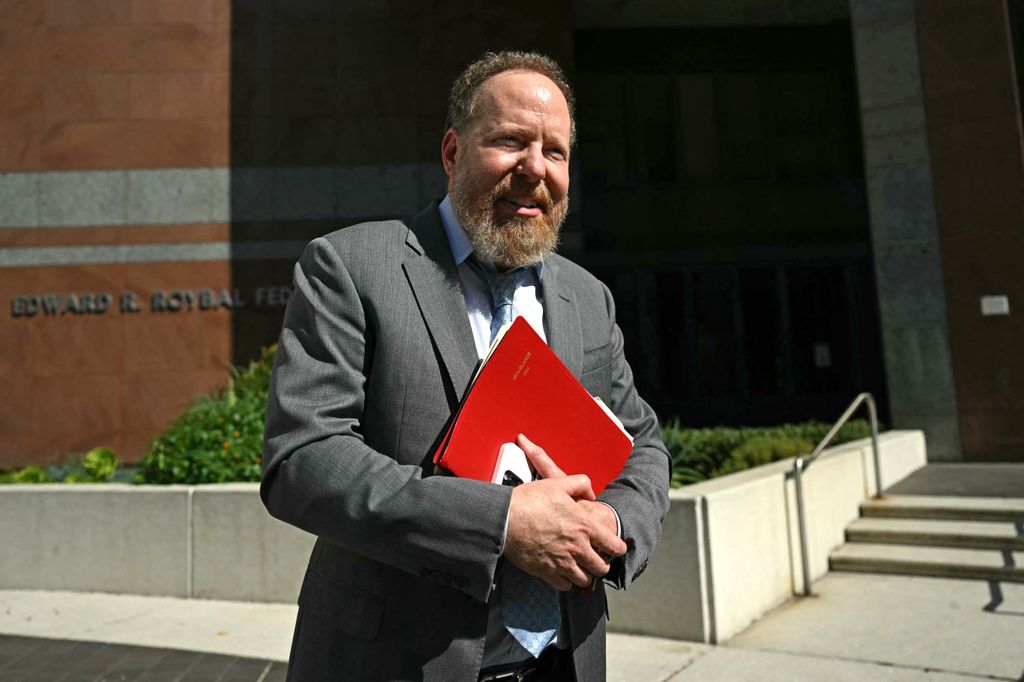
(502, 286)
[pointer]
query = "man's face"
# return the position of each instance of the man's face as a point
(508, 172)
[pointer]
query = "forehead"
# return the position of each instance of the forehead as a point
(523, 97)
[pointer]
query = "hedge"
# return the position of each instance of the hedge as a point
(700, 454)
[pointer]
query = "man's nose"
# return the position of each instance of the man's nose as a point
(531, 163)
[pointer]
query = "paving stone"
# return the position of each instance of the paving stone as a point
(30, 659)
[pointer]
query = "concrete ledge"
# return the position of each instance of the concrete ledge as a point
(729, 553)
(105, 538)
(242, 552)
(214, 542)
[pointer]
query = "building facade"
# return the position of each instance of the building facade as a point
(793, 201)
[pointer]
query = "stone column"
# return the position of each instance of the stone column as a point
(905, 242)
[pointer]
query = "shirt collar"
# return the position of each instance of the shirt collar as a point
(459, 241)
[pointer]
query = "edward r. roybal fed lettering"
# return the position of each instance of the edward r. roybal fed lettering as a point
(128, 302)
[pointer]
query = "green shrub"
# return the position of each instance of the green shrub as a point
(100, 464)
(764, 450)
(219, 438)
(31, 474)
(697, 453)
(700, 454)
(815, 431)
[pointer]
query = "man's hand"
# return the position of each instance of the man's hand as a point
(555, 529)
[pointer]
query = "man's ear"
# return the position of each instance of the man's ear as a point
(449, 147)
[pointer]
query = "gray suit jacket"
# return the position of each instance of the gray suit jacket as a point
(375, 354)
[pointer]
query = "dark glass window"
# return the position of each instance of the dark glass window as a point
(723, 203)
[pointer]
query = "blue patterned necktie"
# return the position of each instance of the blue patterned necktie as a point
(529, 606)
(503, 287)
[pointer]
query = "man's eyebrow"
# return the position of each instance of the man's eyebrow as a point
(505, 128)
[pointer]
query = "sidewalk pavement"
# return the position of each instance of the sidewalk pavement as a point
(858, 627)
(257, 635)
(991, 479)
(863, 626)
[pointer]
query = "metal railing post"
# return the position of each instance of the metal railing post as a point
(801, 464)
(873, 415)
(805, 559)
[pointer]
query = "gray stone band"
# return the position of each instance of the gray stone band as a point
(149, 253)
(214, 195)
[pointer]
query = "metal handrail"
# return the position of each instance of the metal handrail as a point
(801, 465)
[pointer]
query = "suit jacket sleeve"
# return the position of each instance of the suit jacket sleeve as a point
(640, 493)
(322, 476)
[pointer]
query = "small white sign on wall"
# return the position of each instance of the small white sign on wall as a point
(995, 305)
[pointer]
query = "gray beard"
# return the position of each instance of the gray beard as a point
(513, 242)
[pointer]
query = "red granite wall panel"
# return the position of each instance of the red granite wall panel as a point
(133, 144)
(174, 11)
(22, 12)
(113, 84)
(179, 95)
(87, 12)
(86, 97)
(129, 234)
(22, 97)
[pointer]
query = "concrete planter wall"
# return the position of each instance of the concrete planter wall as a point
(208, 541)
(730, 550)
(731, 547)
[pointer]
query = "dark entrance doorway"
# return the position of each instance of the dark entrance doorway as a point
(723, 202)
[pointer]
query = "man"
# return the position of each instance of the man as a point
(412, 572)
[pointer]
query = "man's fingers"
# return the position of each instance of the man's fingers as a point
(580, 576)
(593, 564)
(608, 544)
(544, 465)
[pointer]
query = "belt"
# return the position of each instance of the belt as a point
(527, 670)
(517, 675)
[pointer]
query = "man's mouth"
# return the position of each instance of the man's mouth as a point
(524, 207)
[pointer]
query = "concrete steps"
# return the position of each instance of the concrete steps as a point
(937, 533)
(942, 562)
(955, 508)
(955, 537)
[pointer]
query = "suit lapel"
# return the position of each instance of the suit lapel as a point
(435, 284)
(565, 334)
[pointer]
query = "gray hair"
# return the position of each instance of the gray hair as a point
(462, 100)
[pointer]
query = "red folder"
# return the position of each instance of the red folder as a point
(524, 388)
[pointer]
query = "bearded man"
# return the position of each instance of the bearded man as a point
(417, 576)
